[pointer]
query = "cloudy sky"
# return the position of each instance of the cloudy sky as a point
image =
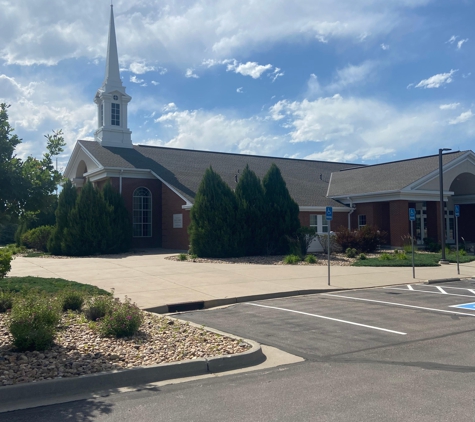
(349, 80)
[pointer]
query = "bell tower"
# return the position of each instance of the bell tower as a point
(112, 101)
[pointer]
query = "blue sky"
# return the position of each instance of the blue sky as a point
(349, 80)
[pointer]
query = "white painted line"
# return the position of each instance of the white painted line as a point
(460, 288)
(427, 291)
(397, 304)
(409, 287)
(324, 317)
(440, 289)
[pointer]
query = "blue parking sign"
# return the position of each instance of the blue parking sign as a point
(329, 213)
(412, 214)
(457, 211)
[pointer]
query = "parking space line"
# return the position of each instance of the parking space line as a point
(410, 287)
(440, 289)
(397, 304)
(426, 291)
(460, 288)
(324, 317)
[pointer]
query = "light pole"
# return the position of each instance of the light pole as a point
(442, 213)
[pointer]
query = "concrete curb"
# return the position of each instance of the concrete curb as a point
(23, 396)
(446, 280)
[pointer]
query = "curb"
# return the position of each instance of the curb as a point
(28, 395)
(446, 280)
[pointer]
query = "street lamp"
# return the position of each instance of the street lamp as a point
(442, 213)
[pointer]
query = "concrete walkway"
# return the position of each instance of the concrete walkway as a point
(152, 281)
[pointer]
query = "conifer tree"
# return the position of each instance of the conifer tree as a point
(89, 226)
(66, 202)
(213, 218)
(121, 238)
(251, 217)
(282, 212)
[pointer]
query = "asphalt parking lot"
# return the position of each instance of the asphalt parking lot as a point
(416, 324)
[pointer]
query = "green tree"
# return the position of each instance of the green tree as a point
(213, 218)
(282, 212)
(89, 227)
(119, 220)
(251, 216)
(66, 202)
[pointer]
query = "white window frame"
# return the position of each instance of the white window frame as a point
(319, 223)
(359, 221)
(139, 213)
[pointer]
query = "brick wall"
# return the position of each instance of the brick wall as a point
(399, 222)
(174, 238)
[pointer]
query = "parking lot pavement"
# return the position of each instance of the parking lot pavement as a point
(409, 323)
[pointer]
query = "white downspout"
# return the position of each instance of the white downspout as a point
(351, 212)
(120, 180)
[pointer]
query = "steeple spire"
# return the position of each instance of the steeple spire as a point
(112, 76)
(111, 100)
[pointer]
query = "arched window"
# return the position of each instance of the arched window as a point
(142, 213)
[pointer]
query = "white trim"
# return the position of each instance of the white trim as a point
(79, 147)
(413, 196)
(322, 209)
(172, 189)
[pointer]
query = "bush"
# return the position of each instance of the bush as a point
(462, 252)
(305, 236)
(401, 255)
(385, 257)
(182, 257)
(362, 257)
(346, 238)
(5, 262)
(366, 239)
(6, 301)
(123, 320)
(98, 307)
(311, 259)
(7, 233)
(37, 238)
(71, 300)
(431, 245)
(350, 252)
(33, 322)
(292, 259)
(334, 246)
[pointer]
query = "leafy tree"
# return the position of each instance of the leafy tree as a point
(213, 228)
(282, 212)
(66, 202)
(119, 221)
(89, 227)
(251, 216)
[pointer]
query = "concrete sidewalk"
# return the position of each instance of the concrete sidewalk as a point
(152, 281)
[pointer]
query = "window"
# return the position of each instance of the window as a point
(142, 213)
(361, 220)
(319, 223)
(115, 114)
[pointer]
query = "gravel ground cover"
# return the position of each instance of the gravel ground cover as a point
(79, 350)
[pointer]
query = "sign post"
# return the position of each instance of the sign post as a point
(457, 215)
(412, 218)
(329, 218)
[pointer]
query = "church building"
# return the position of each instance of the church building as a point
(159, 184)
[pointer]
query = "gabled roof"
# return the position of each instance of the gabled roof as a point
(183, 169)
(386, 177)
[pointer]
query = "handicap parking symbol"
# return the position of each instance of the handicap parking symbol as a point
(470, 306)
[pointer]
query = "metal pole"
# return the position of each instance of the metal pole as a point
(457, 242)
(329, 231)
(412, 242)
(443, 260)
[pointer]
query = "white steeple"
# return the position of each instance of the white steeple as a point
(112, 100)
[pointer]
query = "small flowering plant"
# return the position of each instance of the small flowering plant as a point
(123, 320)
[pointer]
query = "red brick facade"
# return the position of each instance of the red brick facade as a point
(174, 238)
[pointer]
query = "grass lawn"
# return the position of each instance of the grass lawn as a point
(420, 260)
(47, 285)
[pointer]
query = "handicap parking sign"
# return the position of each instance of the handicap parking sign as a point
(470, 306)
(457, 211)
(329, 213)
(412, 214)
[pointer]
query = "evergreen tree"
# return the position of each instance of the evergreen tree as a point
(66, 202)
(121, 239)
(89, 228)
(251, 217)
(282, 212)
(213, 226)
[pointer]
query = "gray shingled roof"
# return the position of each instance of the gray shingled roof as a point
(184, 169)
(385, 177)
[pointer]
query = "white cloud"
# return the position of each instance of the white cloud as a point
(155, 83)
(384, 46)
(170, 107)
(466, 75)
(461, 42)
(135, 80)
(313, 86)
(239, 90)
(190, 74)
(140, 68)
(452, 39)
(252, 69)
(451, 106)
(276, 74)
(437, 81)
(352, 74)
(462, 118)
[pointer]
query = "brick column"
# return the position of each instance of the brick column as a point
(399, 222)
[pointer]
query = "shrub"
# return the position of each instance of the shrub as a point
(311, 259)
(401, 255)
(6, 301)
(305, 236)
(334, 246)
(462, 252)
(350, 252)
(37, 238)
(431, 245)
(385, 257)
(71, 300)
(366, 239)
(33, 322)
(98, 307)
(362, 257)
(123, 320)
(182, 257)
(7, 233)
(346, 238)
(291, 259)
(5, 262)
